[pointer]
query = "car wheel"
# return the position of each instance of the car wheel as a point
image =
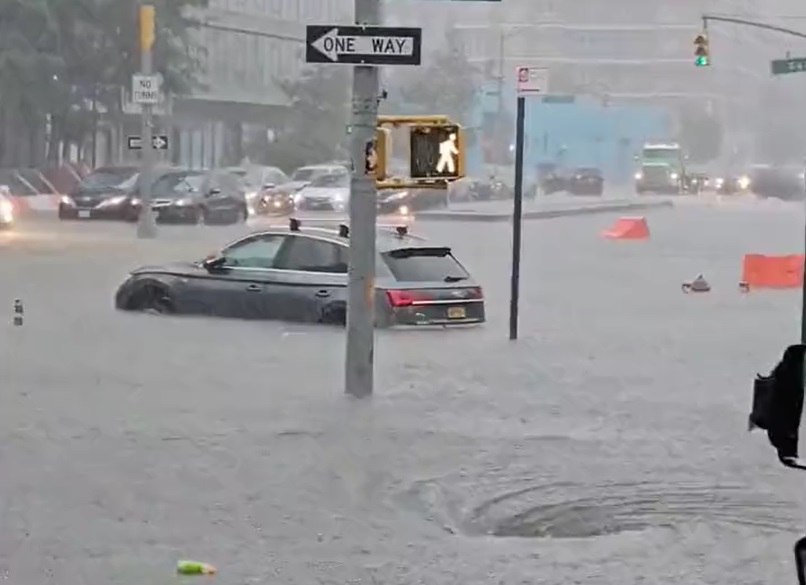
(154, 300)
(334, 315)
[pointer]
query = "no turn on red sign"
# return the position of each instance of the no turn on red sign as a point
(532, 81)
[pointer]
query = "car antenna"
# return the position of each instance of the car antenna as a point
(402, 230)
(294, 224)
(344, 230)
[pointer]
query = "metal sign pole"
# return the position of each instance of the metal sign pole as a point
(146, 226)
(359, 365)
(517, 223)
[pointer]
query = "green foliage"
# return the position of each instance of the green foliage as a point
(445, 85)
(315, 129)
(57, 55)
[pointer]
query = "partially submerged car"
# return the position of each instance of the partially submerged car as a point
(298, 273)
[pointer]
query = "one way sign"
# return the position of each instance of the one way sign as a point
(363, 45)
(158, 142)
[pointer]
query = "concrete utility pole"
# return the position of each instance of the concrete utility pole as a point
(146, 226)
(359, 368)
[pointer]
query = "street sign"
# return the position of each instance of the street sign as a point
(146, 89)
(363, 45)
(436, 152)
(532, 80)
(784, 66)
(158, 142)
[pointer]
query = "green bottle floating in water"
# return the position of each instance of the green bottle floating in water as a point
(194, 568)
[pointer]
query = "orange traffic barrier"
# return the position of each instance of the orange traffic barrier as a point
(628, 228)
(760, 271)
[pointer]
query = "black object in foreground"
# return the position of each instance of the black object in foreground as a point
(778, 405)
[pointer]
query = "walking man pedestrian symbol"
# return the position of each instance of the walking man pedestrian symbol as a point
(447, 150)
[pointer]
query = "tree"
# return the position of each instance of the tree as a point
(315, 129)
(446, 85)
(59, 57)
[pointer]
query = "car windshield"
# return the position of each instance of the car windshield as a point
(177, 185)
(110, 179)
(340, 180)
(424, 265)
(661, 154)
(305, 174)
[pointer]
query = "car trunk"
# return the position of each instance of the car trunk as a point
(431, 287)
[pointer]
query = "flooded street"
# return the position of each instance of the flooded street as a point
(608, 445)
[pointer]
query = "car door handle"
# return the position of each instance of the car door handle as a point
(323, 293)
(254, 288)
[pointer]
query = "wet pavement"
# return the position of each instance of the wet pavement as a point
(612, 435)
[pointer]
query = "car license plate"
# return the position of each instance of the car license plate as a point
(456, 313)
(83, 214)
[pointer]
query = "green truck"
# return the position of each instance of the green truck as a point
(662, 169)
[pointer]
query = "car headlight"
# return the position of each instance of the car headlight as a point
(639, 176)
(338, 197)
(403, 210)
(674, 176)
(6, 210)
(744, 182)
(65, 200)
(184, 202)
(112, 201)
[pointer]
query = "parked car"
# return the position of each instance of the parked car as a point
(297, 273)
(325, 193)
(586, 181)
(188, 196)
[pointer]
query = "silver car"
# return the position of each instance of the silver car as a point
(299, 273)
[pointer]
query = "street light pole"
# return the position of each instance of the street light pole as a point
(360, 359)
(146, 226)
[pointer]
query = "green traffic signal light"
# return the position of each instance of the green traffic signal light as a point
(702, 61)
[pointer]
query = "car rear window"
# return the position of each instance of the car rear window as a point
(424, 265)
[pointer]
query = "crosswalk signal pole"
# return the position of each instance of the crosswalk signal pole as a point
(146, 226)
(360, 353)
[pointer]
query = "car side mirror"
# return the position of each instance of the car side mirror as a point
(269, 185)
(213, 192)
(214, 263)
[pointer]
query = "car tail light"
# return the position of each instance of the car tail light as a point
(404, 298)
(475, 292)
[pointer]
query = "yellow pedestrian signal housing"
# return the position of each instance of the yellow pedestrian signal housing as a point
(702, 52)
(437, 152)
(376, 155)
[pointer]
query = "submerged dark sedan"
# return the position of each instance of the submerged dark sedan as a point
(297, 273)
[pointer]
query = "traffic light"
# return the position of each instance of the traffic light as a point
(436, 151)
(702, 52)
(376, 155)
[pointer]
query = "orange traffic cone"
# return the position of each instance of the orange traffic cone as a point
(628, 228)
(698, 285)
(760, 271)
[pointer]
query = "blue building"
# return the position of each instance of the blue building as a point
(569, 131)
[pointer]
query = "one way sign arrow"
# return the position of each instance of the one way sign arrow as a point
(363, 45)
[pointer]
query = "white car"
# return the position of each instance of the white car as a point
(325, 193)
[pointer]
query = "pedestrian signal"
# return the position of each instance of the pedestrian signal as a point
(437, 152)
(376, 155)
(702, 52)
